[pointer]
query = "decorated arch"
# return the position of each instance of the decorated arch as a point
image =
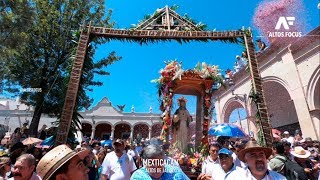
(165, 24)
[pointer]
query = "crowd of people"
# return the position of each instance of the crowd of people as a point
(290, 157)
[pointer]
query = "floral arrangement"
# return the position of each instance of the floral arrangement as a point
(207, 71)
(172, 70)
(192, 160)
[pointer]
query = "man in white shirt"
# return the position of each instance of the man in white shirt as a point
(117, 165)
(241, 62)
(133, 153)
(226, 166)
(256, 158)
(287, 137)
(95, 147)
(212, 159)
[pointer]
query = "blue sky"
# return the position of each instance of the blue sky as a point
(129, 80)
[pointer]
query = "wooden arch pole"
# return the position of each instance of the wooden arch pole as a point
(72, 91)
(257, 94)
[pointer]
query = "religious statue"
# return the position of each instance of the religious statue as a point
(181, 121)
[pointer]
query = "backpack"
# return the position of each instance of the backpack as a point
(292, 170)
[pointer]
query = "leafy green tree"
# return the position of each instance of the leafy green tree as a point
(45, 59)
(13, 21)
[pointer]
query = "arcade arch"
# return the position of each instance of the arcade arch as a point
(156, 130)
(86, 129)
(313, 94)
(280, 103)
(103, 131)
(122, 131)
(142, 129)
(231, 105)
(313, 90)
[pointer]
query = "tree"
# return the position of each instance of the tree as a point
(13, 20)
(45, 60)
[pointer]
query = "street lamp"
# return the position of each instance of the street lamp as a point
(93, 129)
(244, 96)
(18, 115)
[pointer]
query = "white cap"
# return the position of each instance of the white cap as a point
(78, 147)
(286, 132)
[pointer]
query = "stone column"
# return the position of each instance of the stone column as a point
(150, 132)
(218, 110)
(298, 96)
(112, 133)
(131, 133)
(93, 131)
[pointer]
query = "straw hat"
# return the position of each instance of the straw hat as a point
(4, 160)
(3, 153)
(252, 146)
(56, 158)
(299, 152)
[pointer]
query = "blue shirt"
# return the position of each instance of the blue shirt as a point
(171, 173)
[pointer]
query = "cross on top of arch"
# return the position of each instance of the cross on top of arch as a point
(167, 19)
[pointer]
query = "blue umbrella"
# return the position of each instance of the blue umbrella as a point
(226, 129)
(106, 142)
(48, 141)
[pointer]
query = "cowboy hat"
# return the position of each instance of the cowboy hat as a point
(299, 152)
(252, 146)
(56, 158)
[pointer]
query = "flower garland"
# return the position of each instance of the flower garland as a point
(171, 72)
